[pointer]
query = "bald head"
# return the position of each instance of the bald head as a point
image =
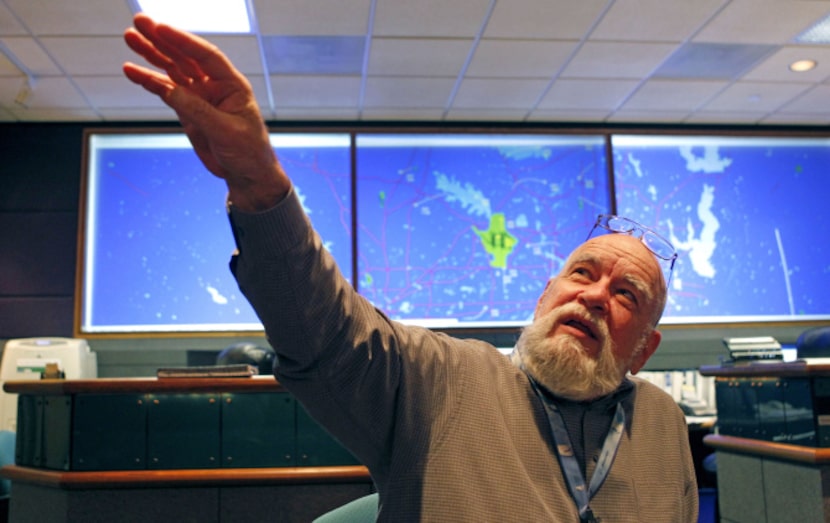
(641, 267)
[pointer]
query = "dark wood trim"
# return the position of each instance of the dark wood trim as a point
(769, 449)
(236, 477)
(144, 385)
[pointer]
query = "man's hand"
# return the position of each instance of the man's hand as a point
(216, 106)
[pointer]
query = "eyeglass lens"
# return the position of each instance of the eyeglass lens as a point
(656, 243)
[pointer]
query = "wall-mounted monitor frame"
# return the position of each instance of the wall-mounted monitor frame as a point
(747, 214)
(407, 210)
(154, 239)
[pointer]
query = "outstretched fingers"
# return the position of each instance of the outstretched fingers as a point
(145, 41)
(194, 57)
(154, 82)
(203, 56)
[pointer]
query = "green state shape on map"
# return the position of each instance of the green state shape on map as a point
(497, 241)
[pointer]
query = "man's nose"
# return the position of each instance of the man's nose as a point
(595, 297)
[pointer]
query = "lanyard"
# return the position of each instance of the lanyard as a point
(570, 466)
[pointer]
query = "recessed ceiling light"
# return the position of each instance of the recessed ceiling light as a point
(200, 16)
(802, 66)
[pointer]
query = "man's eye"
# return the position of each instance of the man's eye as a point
(627, 294)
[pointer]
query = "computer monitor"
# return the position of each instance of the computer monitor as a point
(156, 239)
(464, 230)
(747, 214)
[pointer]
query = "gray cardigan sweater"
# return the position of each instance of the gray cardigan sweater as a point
(450, 429)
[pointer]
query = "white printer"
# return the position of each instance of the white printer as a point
(27, 358)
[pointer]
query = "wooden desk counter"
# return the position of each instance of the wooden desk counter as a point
(76, 434)
(124, 479)
(769, 449)
(144, 385)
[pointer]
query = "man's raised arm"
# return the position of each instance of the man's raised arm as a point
(215, 105)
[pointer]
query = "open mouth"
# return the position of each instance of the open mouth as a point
(581, 326)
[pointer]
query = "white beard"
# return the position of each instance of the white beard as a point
(560, 363)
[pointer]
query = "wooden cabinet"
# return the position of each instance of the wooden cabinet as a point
(773, 460)
(177, 449)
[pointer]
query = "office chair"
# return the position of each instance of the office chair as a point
(360, 510)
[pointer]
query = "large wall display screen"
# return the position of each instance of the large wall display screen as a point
(156, 238)
(749, 217)
(460, 231)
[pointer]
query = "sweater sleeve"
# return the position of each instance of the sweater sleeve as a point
(367, 379)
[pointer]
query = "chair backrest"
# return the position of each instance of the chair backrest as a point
(360, 510)
(814, 343)
(7, 450)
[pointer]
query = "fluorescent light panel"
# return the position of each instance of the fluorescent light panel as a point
(200, 16)
(819, 33)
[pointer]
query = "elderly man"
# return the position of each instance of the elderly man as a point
(450, 429)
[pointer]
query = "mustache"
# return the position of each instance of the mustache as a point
(577, 315)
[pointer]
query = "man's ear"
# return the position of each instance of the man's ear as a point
(651, 345)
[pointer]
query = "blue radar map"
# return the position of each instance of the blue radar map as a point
(748, 216)
(458, 231)
(157, 237)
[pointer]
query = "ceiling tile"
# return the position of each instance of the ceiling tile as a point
(7, 68)
(776, 67)
(713, 117)
(312, 17)
(6, 116)
(755, 97)
(816, 100)
(519, 58)
(10, 87)
(485, 115)
(261, 91)
(430, 18)
(587, 94)
(418, 56)
(712, 60)
(47, 93)
(318, 113)
(567, 115)
(762, 21)
(400, 114)
(408, 92)
(143, 114)
(31, 55)
(88, 55)
(8, 23)
(55, 114)
(672, 95)
(314, 54)
(116, 91)
(241, 50)
(549, 19)
(653, 20)
(536, 60)
(617, 60)
(87, 17)
(786, 118)
(498, 93)
(315, 91)
(633, 117)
